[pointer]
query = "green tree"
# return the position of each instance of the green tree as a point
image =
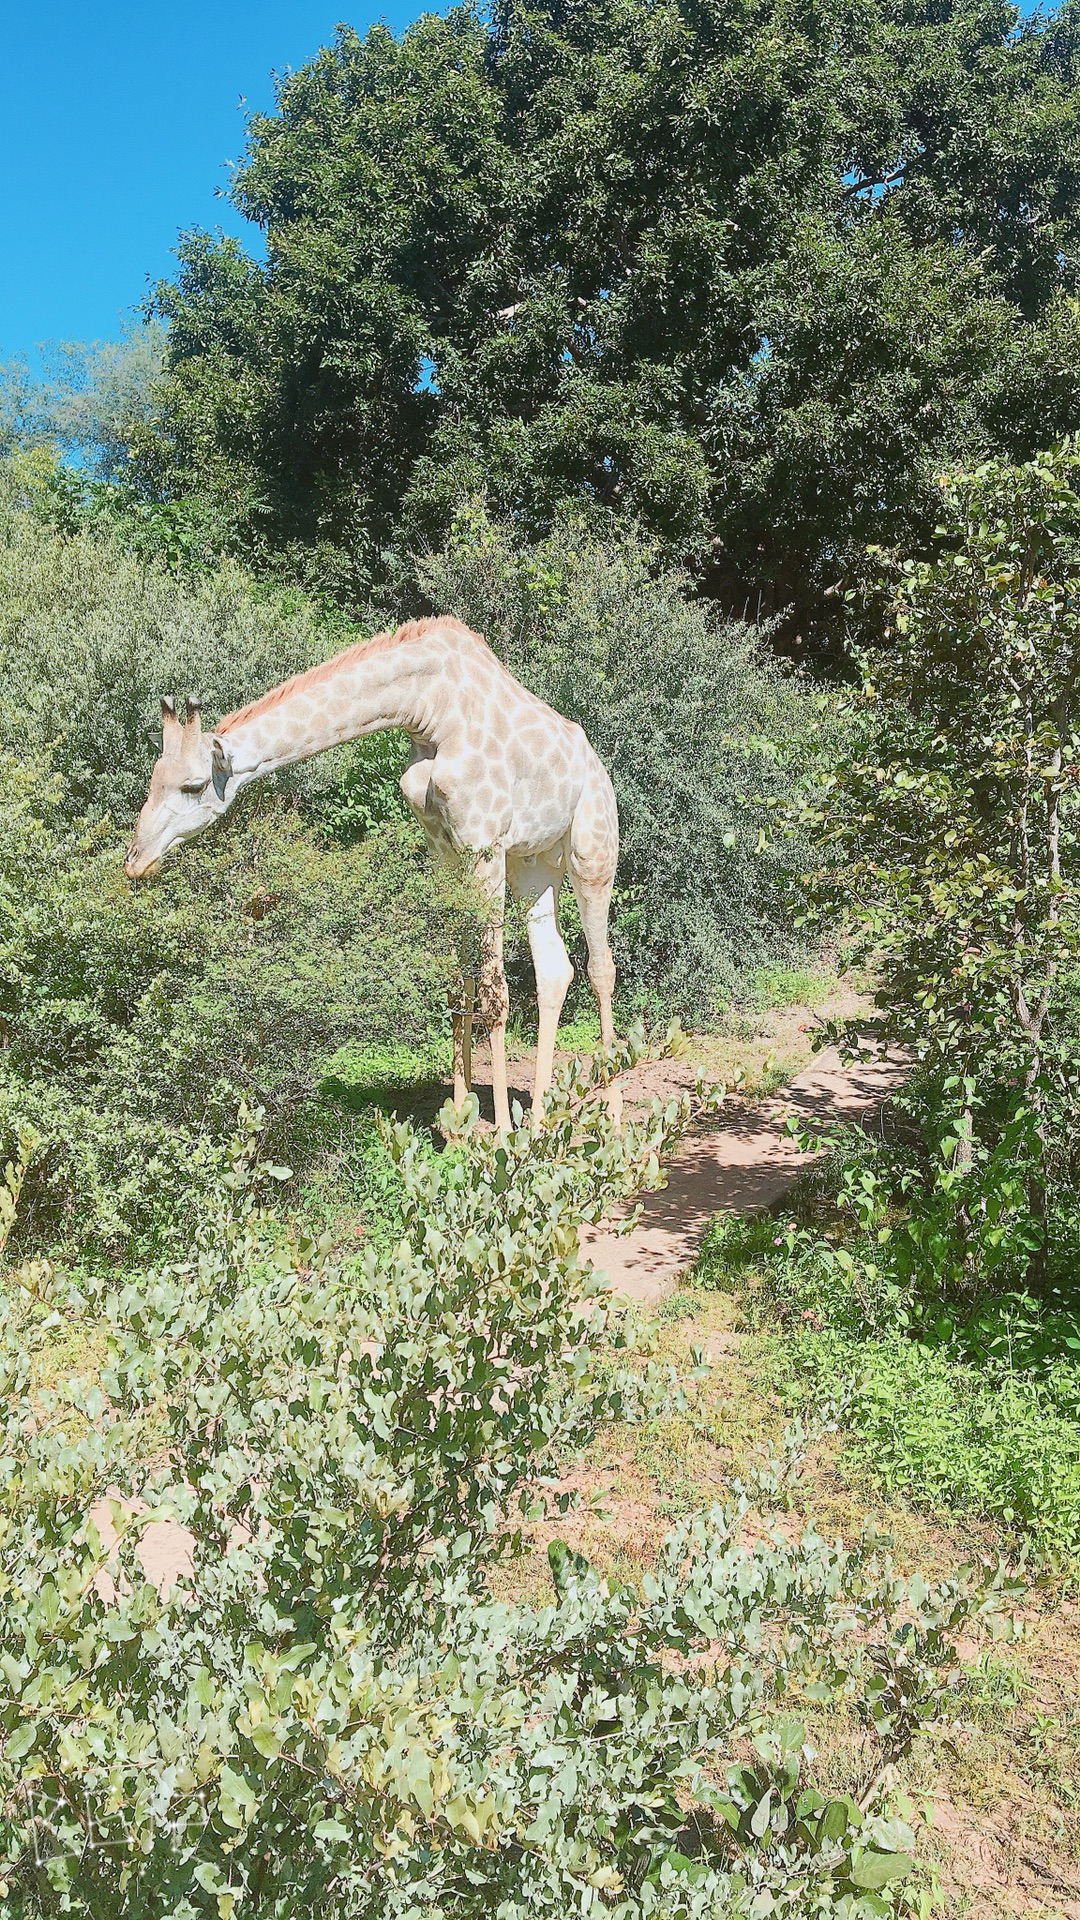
(21, 424)
(99, 394)
(90, 400)
(952, 838)
(747, 273)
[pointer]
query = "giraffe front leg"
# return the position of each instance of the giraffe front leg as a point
(462, 1004)
(493, 999)
(551, 965)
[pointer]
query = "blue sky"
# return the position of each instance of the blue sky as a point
(118, 119)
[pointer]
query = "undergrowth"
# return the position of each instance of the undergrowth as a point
(948, 1435)
(347, 1723)
(959, 1399)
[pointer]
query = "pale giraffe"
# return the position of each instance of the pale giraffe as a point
(494, 776)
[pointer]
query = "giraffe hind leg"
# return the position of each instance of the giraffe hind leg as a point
(594, 849)
(594, 854)
(593, 905)
(594, 902)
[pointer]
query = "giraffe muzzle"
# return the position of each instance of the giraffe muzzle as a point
(136, 866)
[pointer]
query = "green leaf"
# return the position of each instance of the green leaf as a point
(20, 1742)
(759, 1820)
(266, 1740)
(237, 1802)
(873, 1870)
(836, 1820)
(331, 1830)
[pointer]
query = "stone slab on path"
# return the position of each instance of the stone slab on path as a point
(738, 1162)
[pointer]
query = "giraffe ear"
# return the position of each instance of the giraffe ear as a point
(221, 767)
(192, 761)
(170, 728)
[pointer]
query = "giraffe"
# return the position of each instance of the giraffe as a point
(494, 777)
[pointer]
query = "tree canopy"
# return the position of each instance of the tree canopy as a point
(90, 401)
(748, 271)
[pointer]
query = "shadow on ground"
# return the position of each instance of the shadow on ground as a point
(421, 1102)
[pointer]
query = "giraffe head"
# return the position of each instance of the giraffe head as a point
(187, 790)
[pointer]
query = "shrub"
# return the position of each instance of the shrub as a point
(947, 837)
(94, 631)
(91, 637)
(697, 726)
(330, 1714)
(950, 836)
(960, 1395)
(137, 1019)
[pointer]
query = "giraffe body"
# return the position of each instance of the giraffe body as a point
(494, 776)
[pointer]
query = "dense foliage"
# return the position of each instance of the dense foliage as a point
(136, 1020)
(747, 273)
(951, 835)
(91, 637)
(697, 727)
(330, 1711)
(934, 1282)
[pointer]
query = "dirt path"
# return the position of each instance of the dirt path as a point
(737, 1163)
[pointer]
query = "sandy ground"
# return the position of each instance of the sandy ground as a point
(739, 1162)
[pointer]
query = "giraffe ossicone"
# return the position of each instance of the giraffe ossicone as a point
(495, 777)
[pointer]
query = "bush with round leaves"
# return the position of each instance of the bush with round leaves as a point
(329, 1712)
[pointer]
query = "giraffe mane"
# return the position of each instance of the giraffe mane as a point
(379, 643)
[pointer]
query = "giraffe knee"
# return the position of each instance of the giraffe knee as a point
(493, 999)
(602, 975)
(551, 962)
(552, 988)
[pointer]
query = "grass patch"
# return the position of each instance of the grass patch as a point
(579, 1033)
(945, 1434)
(923, 1419)
(363, 1076)
(780, 986)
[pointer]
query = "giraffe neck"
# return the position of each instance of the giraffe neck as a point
(365, 690)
